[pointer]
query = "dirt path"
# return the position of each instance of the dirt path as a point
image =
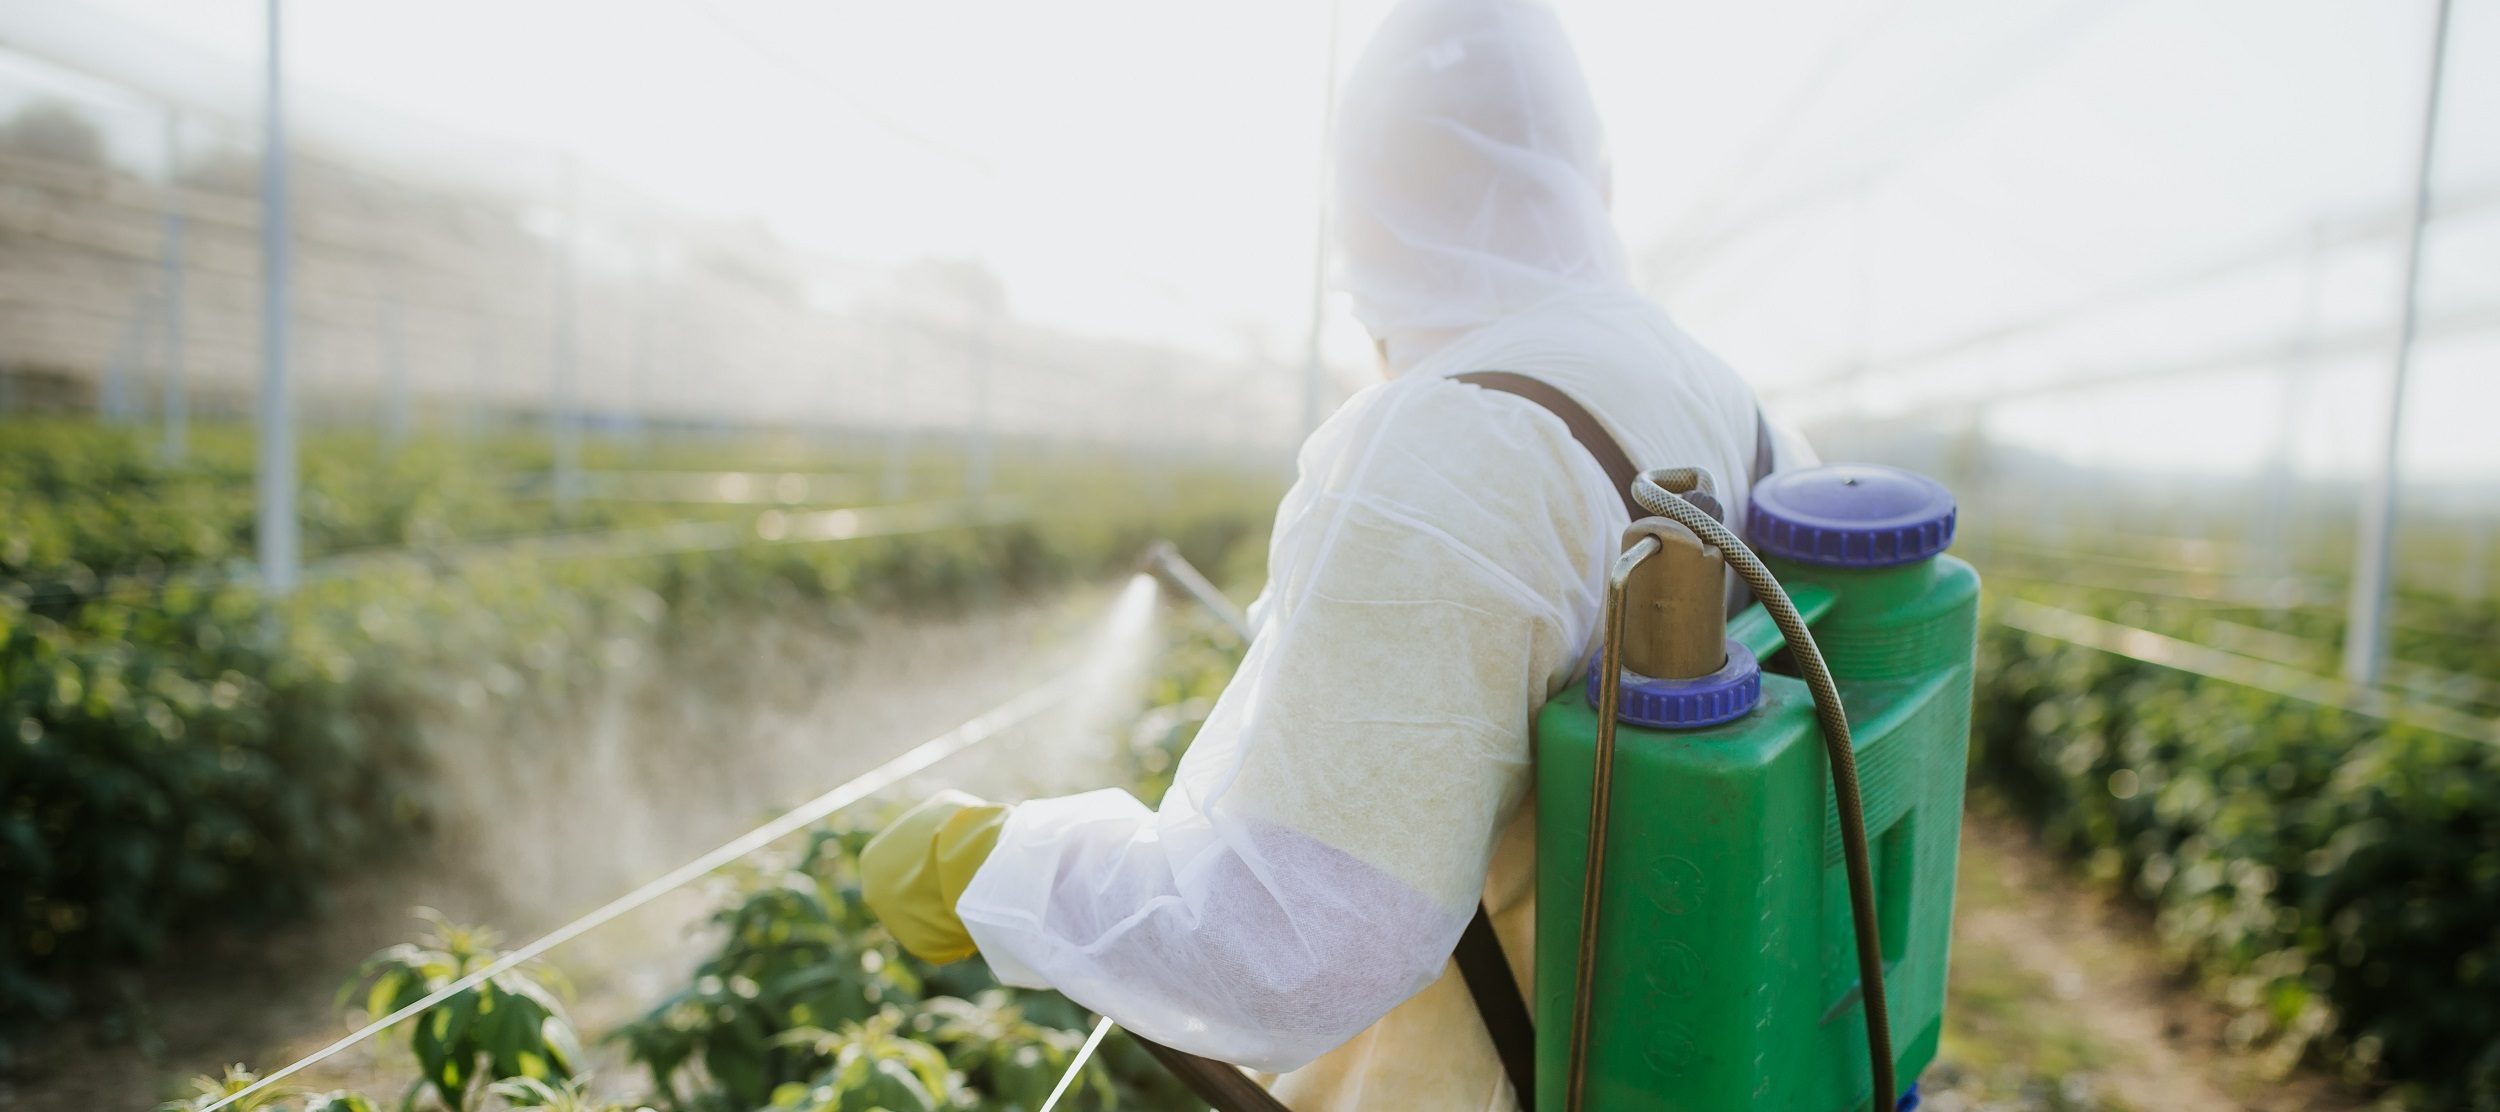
(2061, 1001)
(661, 768)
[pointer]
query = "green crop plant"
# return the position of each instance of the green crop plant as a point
(206, 1091)
(510, 1025)
(569, 1094)
(799, 951)
(1010, 1060)
(168, 766)
(871, 1068)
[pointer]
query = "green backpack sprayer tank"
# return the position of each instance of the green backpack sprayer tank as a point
(1721, 969)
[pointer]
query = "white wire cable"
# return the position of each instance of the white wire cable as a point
(927, 753)
(1101, 1027)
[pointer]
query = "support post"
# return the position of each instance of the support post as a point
(484, 369)
(117, 402)
(893, 483)
(566, 415)
(2475, 584)
(647, 309)
(395, 367)
(175, 442)
(275, 532)
(977, 474)
(2271, 534)
(2365, 628)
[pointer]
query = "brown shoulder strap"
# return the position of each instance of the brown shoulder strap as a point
(1500, 1004)
(1592, 436)
(1223, 1086)
(1598, 443)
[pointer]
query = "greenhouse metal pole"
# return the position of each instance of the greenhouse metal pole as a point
(891, 482)
(115, 400)
(274, 535)
(482, 374)
(2476, 582)
(567, 407)
(977, 476)
(638, 371)
(1312, 377)
(395, 367)
(2365, 628)
(2272, 531)
(175, 442)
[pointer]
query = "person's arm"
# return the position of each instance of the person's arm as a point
(1327, 837)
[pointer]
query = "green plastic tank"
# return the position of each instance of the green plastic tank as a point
(1726, 973)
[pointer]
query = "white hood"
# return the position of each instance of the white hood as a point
(1471, 178)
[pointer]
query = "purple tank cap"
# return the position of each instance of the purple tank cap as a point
(1721, 696)
(1851, 515)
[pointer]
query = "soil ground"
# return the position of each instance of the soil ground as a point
(2060, 1002)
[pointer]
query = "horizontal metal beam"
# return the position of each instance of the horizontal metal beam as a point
(2276, 355)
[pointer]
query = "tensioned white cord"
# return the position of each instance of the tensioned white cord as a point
(1101, 1027)
(921, 756)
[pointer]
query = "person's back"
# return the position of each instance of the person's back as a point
(1531, 503)
(1435, 575)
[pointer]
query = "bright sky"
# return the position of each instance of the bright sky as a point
(1812, 187)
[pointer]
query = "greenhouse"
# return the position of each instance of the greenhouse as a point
(738, 555)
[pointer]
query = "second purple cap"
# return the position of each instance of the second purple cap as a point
(1850, 515)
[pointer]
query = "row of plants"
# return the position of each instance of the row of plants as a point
(88, 506)
(2334, 878)
(183, 755)
(801, 1003)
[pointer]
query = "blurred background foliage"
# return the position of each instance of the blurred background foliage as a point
(2332, 877)
(187, 755)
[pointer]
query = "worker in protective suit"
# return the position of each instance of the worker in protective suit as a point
(1435, 574)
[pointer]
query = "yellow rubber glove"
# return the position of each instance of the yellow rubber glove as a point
(913, 871)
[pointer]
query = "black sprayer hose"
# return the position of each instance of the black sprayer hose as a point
(1657, 499)
(1601, 802)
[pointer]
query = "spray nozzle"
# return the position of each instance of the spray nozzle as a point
(1163, 561)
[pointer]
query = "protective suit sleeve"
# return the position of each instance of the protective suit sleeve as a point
(1327, 835)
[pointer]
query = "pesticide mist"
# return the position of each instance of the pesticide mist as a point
(1110, 682)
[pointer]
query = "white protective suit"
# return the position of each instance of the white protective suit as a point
(1435, 575)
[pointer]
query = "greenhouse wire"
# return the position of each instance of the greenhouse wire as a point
(2298, 599)
(2404, 677)
(1101, 1027)
(2325, 599)
(2020, 550)
(2423, 680)
(981, 728)
(2163, 650)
